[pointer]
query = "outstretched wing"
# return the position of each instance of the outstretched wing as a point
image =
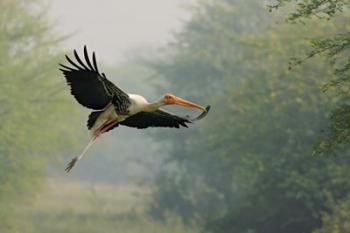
(90, 88)
(159, 118)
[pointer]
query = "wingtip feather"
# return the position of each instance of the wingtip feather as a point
(94, 62)
(79, 60)
(73, 63)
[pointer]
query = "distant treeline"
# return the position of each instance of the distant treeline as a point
(35, 117)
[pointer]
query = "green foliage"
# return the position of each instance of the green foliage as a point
(337, 220)
(34, 113)
(313, 8)
(335, 48)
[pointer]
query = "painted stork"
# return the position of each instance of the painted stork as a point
(113, 107)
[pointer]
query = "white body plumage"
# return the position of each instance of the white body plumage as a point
(138, 104)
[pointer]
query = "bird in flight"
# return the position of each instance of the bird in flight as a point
(113, 107)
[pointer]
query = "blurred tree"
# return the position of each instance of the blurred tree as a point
(337, 220)
(336, 48)
(248, 167)
(34, 123)
(198, 67)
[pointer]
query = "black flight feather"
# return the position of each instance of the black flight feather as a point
(88, 86)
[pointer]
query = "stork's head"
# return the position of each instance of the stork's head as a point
(172, 99)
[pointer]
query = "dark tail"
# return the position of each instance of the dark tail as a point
(92, 118)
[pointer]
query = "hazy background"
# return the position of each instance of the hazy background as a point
(114, 28)
(271, 156)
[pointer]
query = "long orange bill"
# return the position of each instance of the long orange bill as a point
(187, 103)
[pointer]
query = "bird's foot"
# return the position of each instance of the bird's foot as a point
(71, 164)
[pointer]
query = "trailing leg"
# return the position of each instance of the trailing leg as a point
(71, 164)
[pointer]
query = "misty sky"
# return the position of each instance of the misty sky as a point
(113, 27)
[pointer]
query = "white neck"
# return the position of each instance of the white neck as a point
(150, 107)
